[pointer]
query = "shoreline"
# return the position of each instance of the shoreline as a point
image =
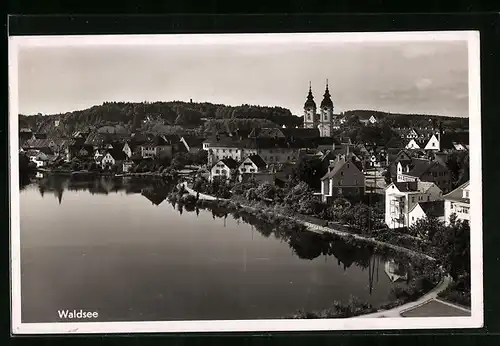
(316, 228)
(393, 307)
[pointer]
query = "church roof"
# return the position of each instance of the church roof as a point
(310, 99)
(327, 101)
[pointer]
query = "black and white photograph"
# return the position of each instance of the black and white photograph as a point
(245, 182)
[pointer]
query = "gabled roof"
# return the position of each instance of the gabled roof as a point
(337, 165)
(396, 143)
(412, 186)
(117, 154)
(193, 141)
(457, 194)
(258, 161)
(229, 162)
(407, 186)
(418, 167)
(432, 209)
(448, 139)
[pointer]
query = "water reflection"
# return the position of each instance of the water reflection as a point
(326, 257)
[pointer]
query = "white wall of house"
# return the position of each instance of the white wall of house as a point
(220, 170)
(247, 166)
(126, 149)
(412, 144)
(433, 144)
(408, 201)
(280, 155)
(221, 152)
(461, 210)
(415, 214)
(395, 204)
(108, 160)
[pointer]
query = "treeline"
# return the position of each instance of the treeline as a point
(137, 115)
(230, 125)
(409, 120)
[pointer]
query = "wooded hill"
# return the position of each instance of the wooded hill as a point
(177, 116)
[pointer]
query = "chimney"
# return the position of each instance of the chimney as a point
(190, 100)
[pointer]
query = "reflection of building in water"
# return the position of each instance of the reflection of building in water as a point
(395, 271)
(155, 196)
(53, 184)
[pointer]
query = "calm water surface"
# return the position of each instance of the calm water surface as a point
(120, 248)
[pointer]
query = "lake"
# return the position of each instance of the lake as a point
(119, 247)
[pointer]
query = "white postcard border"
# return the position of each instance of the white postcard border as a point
(477, 309)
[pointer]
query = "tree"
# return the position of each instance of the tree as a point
(310, 171)
(426, 228)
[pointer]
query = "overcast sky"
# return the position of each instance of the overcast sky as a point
(410, 77)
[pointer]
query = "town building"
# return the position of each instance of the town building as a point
(192, 144)
(425, 170)
(457, 202)
(343, 179)
(157, 147)
(423, 210)
(402, 197)
(223, 169)
(113, 157)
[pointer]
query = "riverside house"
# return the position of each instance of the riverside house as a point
(402, 197)
(156, 147)
(425, 170)
(343, 179)
(113, 157)
(223, 169)
(458, 202)
(423, 210)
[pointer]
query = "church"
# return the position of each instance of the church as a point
(323, 120)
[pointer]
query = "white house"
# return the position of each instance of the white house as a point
(223, 169)
(433, 143)
(401, 198)
(127, 150)
(424, 210)
(458, 202)
(252, 164)
(113, 157)
(412, 144)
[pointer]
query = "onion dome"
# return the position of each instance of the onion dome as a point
(327, 101)
(310, 99)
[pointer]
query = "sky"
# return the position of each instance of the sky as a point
(427, 77)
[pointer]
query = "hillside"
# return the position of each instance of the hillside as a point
(177, 116)
(134, 116)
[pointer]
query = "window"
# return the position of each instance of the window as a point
(252, 170)
(428, 198)
(451, 205)
(339, 191)
(223, 150)
(230, 150)
(355, 182)
(466, 194)
(288, 157)
(347, 165)
(340, 182)
(413, 199)
(434, 174)
(413, 218)
(217, 171)
(342, 173)
(433, 144)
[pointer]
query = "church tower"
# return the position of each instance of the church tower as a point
(326, 117)
(310, 120)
